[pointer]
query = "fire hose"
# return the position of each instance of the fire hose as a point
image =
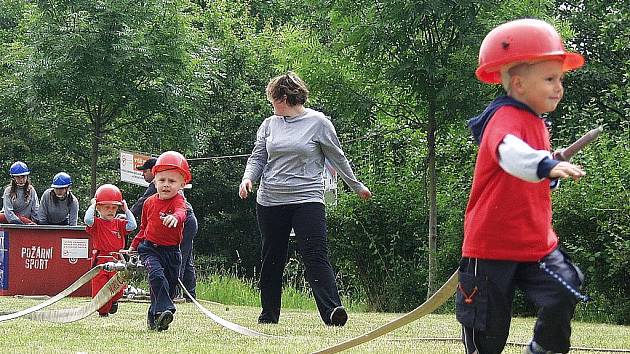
(436, 300)
(69, 290)
(223, 322)
(74, 314)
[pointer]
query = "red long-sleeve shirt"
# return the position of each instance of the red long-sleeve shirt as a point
(151, 227)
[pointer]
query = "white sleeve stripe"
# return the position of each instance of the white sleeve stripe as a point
(519, 159)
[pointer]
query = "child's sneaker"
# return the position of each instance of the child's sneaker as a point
(534, 348)
(163, 320)
(151, 322)
(114, 308)
(338, 316)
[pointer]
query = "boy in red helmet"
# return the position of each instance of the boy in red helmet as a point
(160, 235)
(508, 238)
(108, 237)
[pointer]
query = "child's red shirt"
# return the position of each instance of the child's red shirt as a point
(508, 218)
(151, 227)
(107, 235)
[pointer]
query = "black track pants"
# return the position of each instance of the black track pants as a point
(308, 220)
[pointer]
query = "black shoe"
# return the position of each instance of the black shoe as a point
(338, 316)
(163, 320)
(114, 308)
(103, 314)
(266, 320)
(151, 322)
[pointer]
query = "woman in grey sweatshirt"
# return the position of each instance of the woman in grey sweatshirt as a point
(19, 200)
(288, 159)
(58, 205)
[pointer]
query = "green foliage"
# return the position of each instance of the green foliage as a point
(80, 80)
(591, 219)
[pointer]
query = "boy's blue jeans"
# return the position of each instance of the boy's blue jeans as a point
(485, 294)
(162, 264)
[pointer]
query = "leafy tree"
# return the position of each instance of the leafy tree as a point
(591, 217)
(417, 49)
(106, 65)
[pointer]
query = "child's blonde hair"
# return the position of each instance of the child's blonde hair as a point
(508, 71)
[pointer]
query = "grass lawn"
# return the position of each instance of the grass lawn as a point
(302, 332)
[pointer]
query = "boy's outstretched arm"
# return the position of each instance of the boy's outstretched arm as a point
(520, 160)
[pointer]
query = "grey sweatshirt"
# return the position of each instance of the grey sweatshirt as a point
(60, 213)
(27, 209)
(288, 158)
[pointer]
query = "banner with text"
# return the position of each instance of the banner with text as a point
(129, 163)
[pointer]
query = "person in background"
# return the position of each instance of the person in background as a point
(288, 158)
(509, 240)
(58, 205)
(20, 204)
(160, 236)
(187, 273)
(147, 174)
(108, 237)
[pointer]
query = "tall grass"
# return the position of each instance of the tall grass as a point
(230, 290)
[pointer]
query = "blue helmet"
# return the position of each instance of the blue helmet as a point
(61, 180)
(19, 168)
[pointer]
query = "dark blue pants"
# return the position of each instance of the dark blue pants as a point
(485, 294)
(162, 264)
(308, 220)
(187, 272)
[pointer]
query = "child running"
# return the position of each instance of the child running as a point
(160, 235)
(108, 237)
(508, 238)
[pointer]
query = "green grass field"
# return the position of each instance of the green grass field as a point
(301, 332)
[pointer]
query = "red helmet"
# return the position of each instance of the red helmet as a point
(522, 41)
(108, 194)
(173, 160)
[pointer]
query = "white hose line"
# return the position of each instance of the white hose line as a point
(225, 323)
(111, 288)
(440, 297)
(69, 290)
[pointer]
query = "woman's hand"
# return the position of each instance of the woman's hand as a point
(245, 188)
(365, 193)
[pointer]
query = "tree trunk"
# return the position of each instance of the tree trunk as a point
(96, 141)
(431, 190)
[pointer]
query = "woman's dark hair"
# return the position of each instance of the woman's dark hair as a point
(288, 86)
(56, 200)
(27, 190)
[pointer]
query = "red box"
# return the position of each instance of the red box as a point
(43, 259)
